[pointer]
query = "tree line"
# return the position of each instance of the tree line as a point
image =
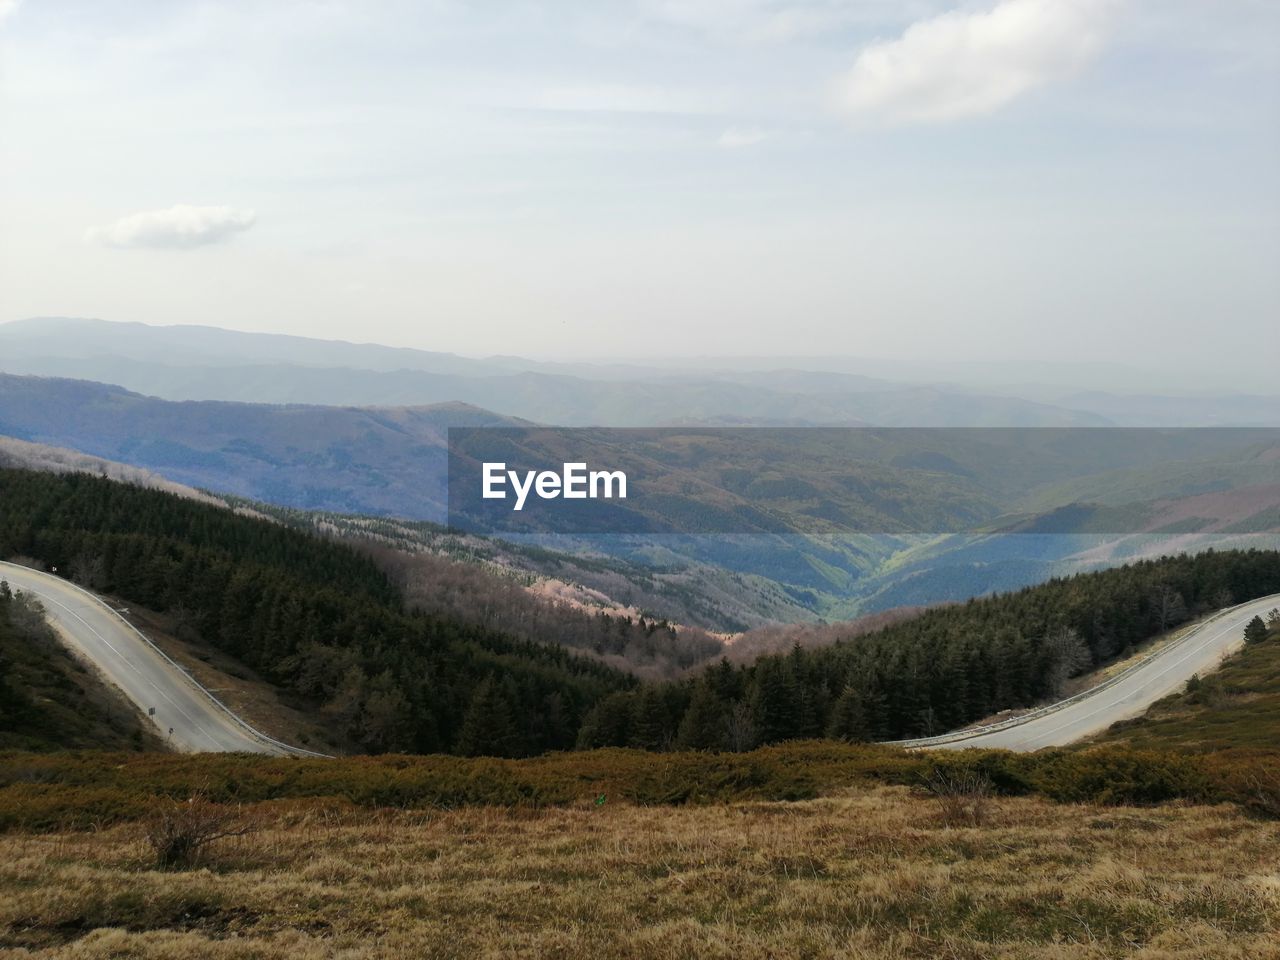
(321, 619)
(315, 617)
(942, 669)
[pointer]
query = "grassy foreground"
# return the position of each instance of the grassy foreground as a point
(802, 850)
(869, 873)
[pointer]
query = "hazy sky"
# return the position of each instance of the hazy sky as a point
(1081, 179)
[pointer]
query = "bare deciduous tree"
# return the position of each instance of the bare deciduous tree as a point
(88, 570)
(651, 649)
(1067, 655)
(740, 729)
(1168, 605)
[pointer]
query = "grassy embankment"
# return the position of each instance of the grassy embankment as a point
(50, 700)
(1230, 719)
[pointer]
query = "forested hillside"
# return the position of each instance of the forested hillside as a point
(314, 616)
(322, 620)
(945, 668)
(649, 647)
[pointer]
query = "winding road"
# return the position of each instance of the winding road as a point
(186, 715)
(193, 720)
(1126, 695)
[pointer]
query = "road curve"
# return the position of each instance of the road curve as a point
(1124, 696)
(99, 635)
(200, 723)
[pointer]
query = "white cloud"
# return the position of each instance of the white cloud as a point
(7, 7)
(966, 64)
(177, 228)
(735, 137)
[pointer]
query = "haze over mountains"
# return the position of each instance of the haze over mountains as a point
(224, 411)
(205, 363)
(348, 459)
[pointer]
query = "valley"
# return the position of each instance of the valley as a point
(775, 596)
(794, 525)
(645, 480)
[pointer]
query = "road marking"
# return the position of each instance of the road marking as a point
(1115, 701)
(1022, 735)
(125, 660)
(242, 736)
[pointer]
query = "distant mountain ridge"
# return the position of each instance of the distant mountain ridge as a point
(205, 363)
(74, 337)
(344, 439)
(391, 462)
(355, 460)
(208, 363)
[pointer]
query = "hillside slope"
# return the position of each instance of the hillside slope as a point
(324, 458)
(941, 670)
(1235, 708)
(391, 461)
(312, 615)
(521, 591)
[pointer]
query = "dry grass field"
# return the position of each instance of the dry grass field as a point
(870, 872)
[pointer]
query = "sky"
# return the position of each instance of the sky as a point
(1009, 180)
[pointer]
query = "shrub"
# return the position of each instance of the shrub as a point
(85, 790)
(1261, 792)
(963, 796)
(1121, 776)
(179, 834)
(1255, 631)
(1249, 777)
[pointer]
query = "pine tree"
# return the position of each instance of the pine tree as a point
(347, 704)
(650, 720)
(703, 725)
(771, 702)
(385, 718)
(488, 729)
(740, 728)
(725, 680)
(608, 723)
(552, 728)
(849, 716)
(1255, 631)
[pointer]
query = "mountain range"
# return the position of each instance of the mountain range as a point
(849, 530)
(206, 363)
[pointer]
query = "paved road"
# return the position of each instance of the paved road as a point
(200, 724)
(104, 638)
(1199, 651)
